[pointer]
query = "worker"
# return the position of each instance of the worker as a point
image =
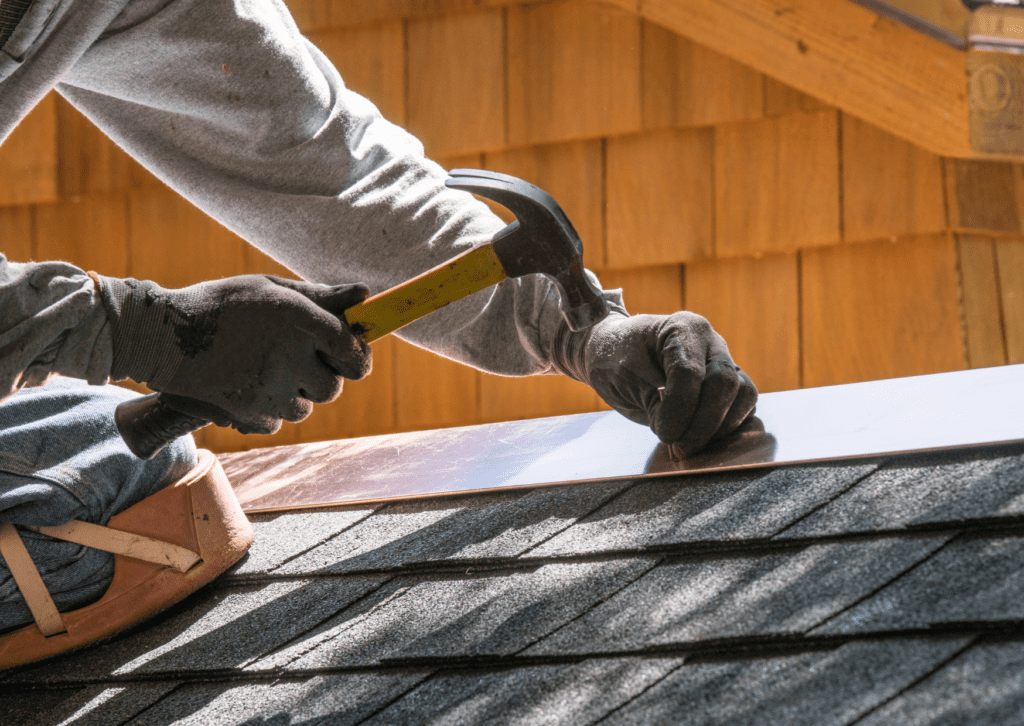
(229, 105)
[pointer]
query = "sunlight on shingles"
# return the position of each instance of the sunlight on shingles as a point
(112, 705)
(753, 679)
(467, 711)
(399, 620)
(92, 705)
(1012, 506)
(756, 603)
(762, 599)
(228, 609)
(783, 686)
(327, 632)
(701, 591)
(588, 683)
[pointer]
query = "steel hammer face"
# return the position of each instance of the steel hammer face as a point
(541, 240)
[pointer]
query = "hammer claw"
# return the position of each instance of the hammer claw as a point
(523, 199)
(542, 240)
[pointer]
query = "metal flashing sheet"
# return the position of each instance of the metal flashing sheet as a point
(860, 420)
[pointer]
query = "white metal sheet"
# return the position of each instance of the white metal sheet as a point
(964, 408)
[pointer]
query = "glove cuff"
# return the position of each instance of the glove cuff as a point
(142, 324)
(567, 352)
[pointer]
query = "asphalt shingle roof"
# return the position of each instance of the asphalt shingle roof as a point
(852, 593)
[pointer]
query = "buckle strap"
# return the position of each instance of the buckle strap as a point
(29, 582)
(131, 545)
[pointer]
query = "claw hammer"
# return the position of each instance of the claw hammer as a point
(540, 240)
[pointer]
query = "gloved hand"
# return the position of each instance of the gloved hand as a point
(627, 360)
(255, 349)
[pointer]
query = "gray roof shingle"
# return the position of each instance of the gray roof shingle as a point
(816, 688)
(547, 694)
(923, 491)
(461, 616)
(983, 686)
(713, 598)
(877, 592)
(717, 507)
(499, 525)
(980, 579)
(97, 705)
(344, 699)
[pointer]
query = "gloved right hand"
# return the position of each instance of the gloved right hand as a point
(254, 349)
(672, 373)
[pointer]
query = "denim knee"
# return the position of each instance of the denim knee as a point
(61, 458)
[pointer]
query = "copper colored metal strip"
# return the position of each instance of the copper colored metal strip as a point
(946, 410)
(29, 582)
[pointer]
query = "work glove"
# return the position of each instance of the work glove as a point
(251, 350)
(670, 372)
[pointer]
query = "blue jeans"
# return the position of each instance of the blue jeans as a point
(61, 458)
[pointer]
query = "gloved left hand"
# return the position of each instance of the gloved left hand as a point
(670, 372)
(255, 349)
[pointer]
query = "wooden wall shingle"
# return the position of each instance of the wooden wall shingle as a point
(983, 314)
(985, 196)
(890, 188)
(880, 310)
(1010, 261)
(456, 85)
(755, 305)
(17, 241)
(777, 184)
(174, 244)
(28, 158)
(91, 162)
(573, 72)
(823, 249)
(780, 99)
(685, 84)
(90, 231)
(648, 290)
(431, 391)
(660, 198)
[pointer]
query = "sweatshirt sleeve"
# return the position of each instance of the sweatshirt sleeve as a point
(229, 105)
(51, 322)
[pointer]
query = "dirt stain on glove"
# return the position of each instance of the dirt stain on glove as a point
(194, 332)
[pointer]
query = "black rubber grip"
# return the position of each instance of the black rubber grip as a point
(149, 423)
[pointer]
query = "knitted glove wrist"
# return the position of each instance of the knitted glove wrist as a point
(569, 350)
(144, 327)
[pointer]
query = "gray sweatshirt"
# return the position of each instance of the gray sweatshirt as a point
(229, 105)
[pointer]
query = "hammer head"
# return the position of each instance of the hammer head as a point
(541, 240)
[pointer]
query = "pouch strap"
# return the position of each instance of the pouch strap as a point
(29, 582)
(131, 545)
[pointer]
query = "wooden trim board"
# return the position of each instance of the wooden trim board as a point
(876, 69)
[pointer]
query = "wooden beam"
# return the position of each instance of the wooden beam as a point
(873, 68)
(335, 14)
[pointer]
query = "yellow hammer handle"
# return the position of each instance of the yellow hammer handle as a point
(460, 277)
